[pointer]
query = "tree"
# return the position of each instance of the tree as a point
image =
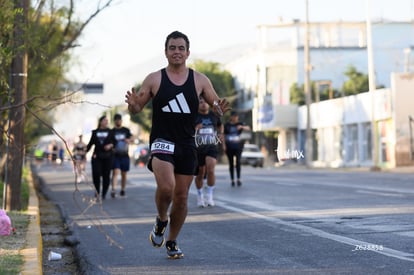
(6, 30)
(297, 94)
(18, 87)
(357, 82)
(48, 34)
(222, 80)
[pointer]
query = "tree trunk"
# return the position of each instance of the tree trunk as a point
(17, 111)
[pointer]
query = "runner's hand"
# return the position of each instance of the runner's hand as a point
(221, 106)
(132, 101)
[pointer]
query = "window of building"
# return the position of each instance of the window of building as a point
(351, 141)
(366, 141)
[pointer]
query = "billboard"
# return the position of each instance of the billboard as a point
(93, 88)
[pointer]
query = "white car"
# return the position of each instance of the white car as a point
(252, 155)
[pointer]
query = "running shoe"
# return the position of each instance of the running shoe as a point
(113, 194)
(200, 201)
(173, 251)
(122, 193)
(157, 233)
(210, 201)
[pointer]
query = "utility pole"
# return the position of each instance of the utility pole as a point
(18, 95)
(372, 88)
(407, 52)
(308, 144)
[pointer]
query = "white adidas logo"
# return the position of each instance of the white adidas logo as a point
(177, 105)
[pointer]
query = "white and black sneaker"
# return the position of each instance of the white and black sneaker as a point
(157, 233)
(173, 251)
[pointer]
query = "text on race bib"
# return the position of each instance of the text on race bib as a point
(162, 147)
(206, 131)
(233, 138)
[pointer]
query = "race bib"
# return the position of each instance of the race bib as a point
(206, 131)
(234, 138)
(161, 146)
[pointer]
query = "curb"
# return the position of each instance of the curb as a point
(32, 254)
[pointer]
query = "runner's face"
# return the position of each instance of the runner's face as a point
(177, 52)
(234, 118)
(104, 123)
(203, 106)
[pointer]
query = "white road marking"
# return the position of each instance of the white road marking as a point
(389, 252)
(385, 189)
(384, 194)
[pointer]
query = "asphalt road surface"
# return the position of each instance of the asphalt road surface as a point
(280, 221)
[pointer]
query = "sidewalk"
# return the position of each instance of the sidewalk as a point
(32, 254)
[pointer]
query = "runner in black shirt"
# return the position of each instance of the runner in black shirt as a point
(121, 157)
(103, 141)
(233, 145)
(209, 130)
(174, 92)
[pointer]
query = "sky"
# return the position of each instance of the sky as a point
(126, 41)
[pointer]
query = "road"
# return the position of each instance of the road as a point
(281, 221)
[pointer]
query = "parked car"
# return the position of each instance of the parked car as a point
(141, 154)
(252, 155)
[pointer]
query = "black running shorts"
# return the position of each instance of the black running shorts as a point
(204, 151)
(184, 159)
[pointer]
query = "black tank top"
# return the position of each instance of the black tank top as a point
(174, 110)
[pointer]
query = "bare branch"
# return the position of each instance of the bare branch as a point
(54, 101)
(38, 10)
(70, 43)
(69, 24)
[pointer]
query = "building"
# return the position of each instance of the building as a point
(264, 75)
(342, 128)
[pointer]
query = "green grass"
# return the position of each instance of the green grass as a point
(24, 190)
(11, 262)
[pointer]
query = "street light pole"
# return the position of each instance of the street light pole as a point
(407, 52)
(308, 145)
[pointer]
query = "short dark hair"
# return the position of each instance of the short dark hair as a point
(175, 35)
(117, 117)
